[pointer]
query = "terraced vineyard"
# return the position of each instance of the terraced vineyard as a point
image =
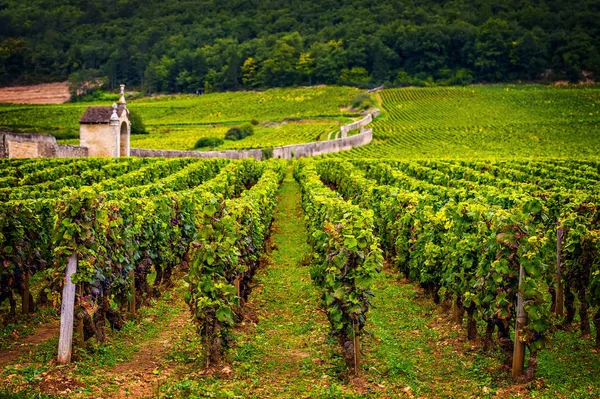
(486, 122)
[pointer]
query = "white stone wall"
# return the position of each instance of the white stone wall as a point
(323, 147)
(231, 154)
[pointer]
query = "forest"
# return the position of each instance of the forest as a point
(190, 46)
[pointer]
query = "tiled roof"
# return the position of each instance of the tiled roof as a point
(99, 114)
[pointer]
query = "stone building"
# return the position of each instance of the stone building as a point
(105, 131)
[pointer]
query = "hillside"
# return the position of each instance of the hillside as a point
(186, 46)
(478, 121)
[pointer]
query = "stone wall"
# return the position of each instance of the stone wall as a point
(356, 125)
(16, 145)
(376, 89)
(323, 147)
(231, 154)
(71, 151)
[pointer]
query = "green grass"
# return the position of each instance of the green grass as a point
(415, 347)
(184, 137)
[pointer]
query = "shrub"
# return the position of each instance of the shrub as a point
(247, 130)
(362, 101)
(239, 132)
(267, 153)
(204, 142)
(255, 122)
(137, 125)
(233, 134)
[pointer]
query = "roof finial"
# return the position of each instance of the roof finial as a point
(122, 99)
(114, 116)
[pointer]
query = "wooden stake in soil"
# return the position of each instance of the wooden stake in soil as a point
(519, 348)
(65, 341)
(25, 297)
(356, 349)
(559, 284)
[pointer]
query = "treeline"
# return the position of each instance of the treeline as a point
(188, 46)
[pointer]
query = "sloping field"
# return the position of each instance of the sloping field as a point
(486, 122)
(201, 116)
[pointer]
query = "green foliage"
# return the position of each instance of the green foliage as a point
(137, 125)
(362, 101)
(177, 122)
(275, 44)
(234, 134)
(240, 132)
(208, 142)
(465, 229)
(267, 153)
(485, 122)
(231, 235)
(346, 253)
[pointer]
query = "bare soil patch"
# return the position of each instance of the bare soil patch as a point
(48, 93)
(41, 334)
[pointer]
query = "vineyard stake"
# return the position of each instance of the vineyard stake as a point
(356, 349)
(236, 282)
(65, 341)
(519, 348)
(25, 296)
(559, 284)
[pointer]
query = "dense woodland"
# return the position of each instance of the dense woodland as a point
(186, 46)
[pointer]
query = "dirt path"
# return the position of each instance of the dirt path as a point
(48, 93)
(22, 347)
(141, 376)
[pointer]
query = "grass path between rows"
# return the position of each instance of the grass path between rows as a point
(283, 347)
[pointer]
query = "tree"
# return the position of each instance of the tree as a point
(249, 73)
(492, 49)
(305, 67)
(529, 54)
(356, 76)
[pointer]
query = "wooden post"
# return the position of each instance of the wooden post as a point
(25, 296)
(519, 348)
(132, 286)
(80, 333)
(356, 349)
(65, 341)
(560, 296)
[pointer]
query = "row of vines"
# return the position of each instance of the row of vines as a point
(115, 222)
(495, 242)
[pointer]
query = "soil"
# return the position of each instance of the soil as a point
(48, 93)
(142, 376)
(19, 349)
